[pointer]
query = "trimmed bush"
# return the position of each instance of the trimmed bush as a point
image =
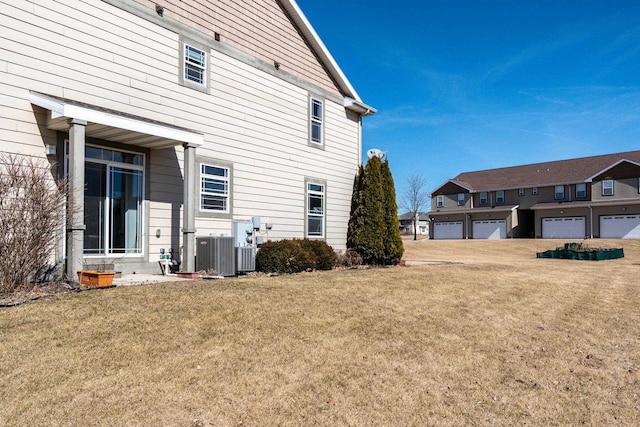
(325, 256)
(295, 256)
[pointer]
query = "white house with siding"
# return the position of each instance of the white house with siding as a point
(173, 119)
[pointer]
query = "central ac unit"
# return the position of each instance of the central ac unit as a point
(246, 259)
(216, 253)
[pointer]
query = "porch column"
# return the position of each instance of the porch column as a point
(75, 198)
(189, 209)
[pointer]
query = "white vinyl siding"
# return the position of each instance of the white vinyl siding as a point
(256, 121)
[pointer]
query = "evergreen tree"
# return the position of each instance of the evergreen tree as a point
(393, 248)
(356, 215)
(369, 236)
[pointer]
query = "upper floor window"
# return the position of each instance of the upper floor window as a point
(315, 209)
(520, 191)
(581, 191)
(500, 196)
(461, 199)
(559, 192)
(214, 188)
(440, 201)
(195, 65)
(607, 187)
(483, 198)
(534, 190)
(316, 119)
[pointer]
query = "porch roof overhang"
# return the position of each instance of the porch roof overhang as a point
(116, 126)
(501, 208)
(585, 204)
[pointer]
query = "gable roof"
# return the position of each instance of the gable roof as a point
(557, 172)
(352, 99)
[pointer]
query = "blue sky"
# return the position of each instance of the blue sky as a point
(471, 85)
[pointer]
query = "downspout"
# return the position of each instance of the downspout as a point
(590, 222)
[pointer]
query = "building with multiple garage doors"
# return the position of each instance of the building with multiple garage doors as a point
(589, 197)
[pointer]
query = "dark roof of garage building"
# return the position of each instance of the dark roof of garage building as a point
(538, 174)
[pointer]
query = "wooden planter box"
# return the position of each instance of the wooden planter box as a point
(96, 278)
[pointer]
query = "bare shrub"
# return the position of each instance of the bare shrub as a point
(349, 259)
(31, 215)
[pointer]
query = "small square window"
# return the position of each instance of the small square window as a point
(607, 187)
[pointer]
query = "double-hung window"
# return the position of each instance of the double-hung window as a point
(607, 187)
(316, 119)
(559, 192)
(195, 65)
(461, 199)
(581, 191)
(440, 201)
(520, 191)
(315, 209)
(483, 198)
(500, 197)
(214, 188)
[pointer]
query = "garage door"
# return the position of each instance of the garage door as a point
(495, 229)
(620, 227)
(564, 228)
(447, 230)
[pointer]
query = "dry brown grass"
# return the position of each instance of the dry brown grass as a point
(493, 336)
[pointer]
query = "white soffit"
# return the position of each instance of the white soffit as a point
(113, 122)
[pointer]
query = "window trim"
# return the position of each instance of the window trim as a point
(307, 214)
(500, 200)
(583, 196)
(612, 187)
(440, 201)
(204, 86)
(314, 120)
(211, 213)
(556, 192)
(461, 198)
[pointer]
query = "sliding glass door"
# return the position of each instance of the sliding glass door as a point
(113, 200)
